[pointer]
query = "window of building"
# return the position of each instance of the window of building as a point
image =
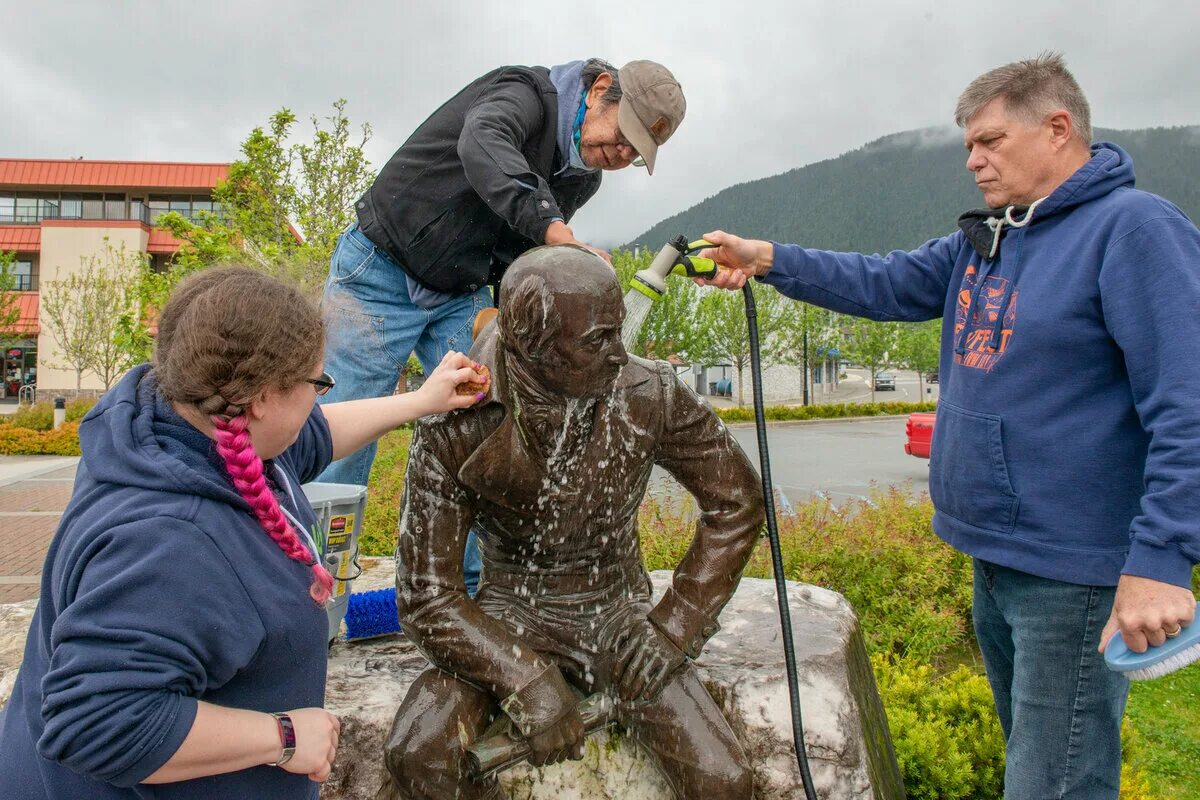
(8, 208)
(93, 206)
(24, 275)
(71, 206)
(115, 207)
(27, 210)
(158, 207)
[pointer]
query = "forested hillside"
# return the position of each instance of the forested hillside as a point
(903, 189)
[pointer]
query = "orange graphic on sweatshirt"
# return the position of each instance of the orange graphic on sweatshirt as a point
(978, 330)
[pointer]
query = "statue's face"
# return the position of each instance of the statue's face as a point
(587, 355)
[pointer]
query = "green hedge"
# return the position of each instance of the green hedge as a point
(823, 411)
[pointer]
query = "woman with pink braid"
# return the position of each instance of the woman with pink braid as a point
(179, 645)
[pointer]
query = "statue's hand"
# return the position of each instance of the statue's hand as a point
(646, 658)
(546, 712)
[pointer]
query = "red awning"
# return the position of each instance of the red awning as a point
(46, 173)
(22, 238)
(28, 321)
(161, 241)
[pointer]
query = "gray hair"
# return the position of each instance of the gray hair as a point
(594, 68)
(1031, 89)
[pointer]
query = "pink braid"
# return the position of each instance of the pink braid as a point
(246, 470)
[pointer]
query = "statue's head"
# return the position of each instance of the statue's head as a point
(560, 318)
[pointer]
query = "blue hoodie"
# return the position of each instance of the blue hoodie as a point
(159, 590)
(1067, 441)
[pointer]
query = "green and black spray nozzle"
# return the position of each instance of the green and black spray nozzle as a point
(676, 258)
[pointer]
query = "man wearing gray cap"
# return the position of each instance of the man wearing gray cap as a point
(501, 167)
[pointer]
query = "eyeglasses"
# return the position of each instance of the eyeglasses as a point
(323, 383)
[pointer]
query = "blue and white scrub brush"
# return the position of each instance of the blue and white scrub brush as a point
(1174, 654)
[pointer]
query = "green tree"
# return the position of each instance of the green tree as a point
(283, 204)
(918, 347)
(10, 305)
(85, 309)
(809, 332)
(872, 344)
(723, 332)
(670, 327)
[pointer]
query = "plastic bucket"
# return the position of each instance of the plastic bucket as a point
(339, 508)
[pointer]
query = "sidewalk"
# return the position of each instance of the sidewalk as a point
(34, 491)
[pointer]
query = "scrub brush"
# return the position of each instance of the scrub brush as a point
(1174, 654)
(370, 614)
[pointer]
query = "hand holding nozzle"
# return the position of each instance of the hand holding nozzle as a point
(738, 259)
(499, 750)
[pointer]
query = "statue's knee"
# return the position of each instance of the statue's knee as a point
(732, 780)
(400, 752)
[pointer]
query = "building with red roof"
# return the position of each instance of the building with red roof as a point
(54, 214)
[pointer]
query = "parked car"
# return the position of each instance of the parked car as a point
(931, 377)
(919, 430)
(885, 380)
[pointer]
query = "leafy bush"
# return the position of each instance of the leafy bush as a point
(945, 731)
(911, 592)
(40, 416)
(823, 411)
(17, 441)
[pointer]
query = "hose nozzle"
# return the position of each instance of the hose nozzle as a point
(674, 259)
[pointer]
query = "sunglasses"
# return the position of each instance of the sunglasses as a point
(323, 383)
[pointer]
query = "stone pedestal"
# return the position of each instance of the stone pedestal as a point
(14, 625)
(849, 748)
(848, 744)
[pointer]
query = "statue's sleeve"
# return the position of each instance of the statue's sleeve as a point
(431, 596)
(699, 451)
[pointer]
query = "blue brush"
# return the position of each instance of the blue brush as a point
(370, 614)
(1170, 656)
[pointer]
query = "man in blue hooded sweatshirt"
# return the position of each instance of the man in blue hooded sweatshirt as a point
(1066, 454)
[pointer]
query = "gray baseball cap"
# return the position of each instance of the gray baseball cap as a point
(651, 108)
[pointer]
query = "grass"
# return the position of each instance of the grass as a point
(1166, 717)
(912, 594)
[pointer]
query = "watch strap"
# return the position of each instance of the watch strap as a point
(287, 737)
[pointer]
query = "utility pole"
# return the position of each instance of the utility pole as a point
(806, 370)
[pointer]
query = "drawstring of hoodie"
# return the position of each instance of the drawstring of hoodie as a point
(996, 225)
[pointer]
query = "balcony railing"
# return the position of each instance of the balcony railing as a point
(135, 211)
(23, 283)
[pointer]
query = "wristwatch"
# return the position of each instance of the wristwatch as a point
(287, 737)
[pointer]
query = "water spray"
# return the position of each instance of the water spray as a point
(648, 286)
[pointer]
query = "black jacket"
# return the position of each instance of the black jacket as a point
(473, 187)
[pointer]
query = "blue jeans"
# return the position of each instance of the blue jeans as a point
(1059, 705)
(371, 329)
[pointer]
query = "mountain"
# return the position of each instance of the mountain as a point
(902, 190)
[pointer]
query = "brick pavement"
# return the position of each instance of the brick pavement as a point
(29, 512)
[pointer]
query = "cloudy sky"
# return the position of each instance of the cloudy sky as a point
(770, 85)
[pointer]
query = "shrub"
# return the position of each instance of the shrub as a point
(912, 592)
(823, 411)
(945, 731)
(40, 416)
(17, 441)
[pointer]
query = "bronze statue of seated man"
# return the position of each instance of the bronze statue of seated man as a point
(550, 468)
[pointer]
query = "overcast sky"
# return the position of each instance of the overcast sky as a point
(770, 85)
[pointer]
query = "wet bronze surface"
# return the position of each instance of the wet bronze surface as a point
(550, 469)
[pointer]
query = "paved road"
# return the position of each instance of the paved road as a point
(841, 459)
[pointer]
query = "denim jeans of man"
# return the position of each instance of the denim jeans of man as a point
(371, 328)
(1059, 705)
